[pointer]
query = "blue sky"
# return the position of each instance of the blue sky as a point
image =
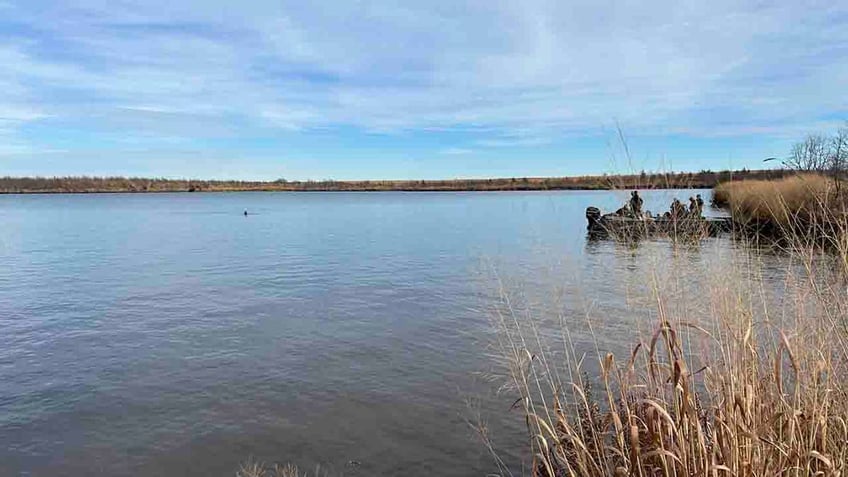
(437, 89)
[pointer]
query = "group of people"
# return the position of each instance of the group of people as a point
(677, 210)
(696, 207)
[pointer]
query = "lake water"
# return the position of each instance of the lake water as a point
(168, 334)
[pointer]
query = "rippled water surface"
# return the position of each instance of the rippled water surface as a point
(168, 334)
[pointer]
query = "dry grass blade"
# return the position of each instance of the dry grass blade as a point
(769, 396)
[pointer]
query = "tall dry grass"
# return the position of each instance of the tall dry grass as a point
(735, 375)
(798, 200)
(258, 469)
(254, 468)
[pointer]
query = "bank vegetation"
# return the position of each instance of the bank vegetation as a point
(792, 205)
(643, 180)
(731, 371)
(738, 363)
(809, 200)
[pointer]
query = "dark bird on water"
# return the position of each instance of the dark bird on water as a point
(245, 212)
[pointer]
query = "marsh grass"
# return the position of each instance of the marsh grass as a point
(788, 207)
(254, 468)
(728, 374)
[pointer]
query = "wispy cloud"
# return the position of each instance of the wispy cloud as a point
(517, 73)
(456, 151)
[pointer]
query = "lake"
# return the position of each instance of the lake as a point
(169, 334)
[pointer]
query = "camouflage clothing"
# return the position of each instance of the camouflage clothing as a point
(636, 203)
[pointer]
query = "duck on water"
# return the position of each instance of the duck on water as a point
(631, 220)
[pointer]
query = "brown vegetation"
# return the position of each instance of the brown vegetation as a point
(703, 179)
(735, 379)
(259, 469)
(738, 377)
(789, 205)
(255, 468)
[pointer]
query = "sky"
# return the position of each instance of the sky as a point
(413, 90)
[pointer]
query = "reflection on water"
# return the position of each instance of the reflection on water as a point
(170, 334)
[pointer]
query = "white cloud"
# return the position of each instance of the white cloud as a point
(11, 113)
(211, 67)
(456, 151)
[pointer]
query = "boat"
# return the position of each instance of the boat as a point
(622, 225)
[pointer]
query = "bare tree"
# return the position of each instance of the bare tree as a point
(811, 155)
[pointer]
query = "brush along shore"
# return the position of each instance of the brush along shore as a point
(728, 373)
(703, 179)
(800, 205)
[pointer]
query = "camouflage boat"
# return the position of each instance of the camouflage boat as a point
(625, 226)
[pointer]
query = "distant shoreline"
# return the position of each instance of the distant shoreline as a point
(96, 185)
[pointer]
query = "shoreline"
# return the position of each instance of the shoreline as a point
(105, 185)
(298, 191)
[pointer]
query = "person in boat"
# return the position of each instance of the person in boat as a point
(696, 206)
(636, 204)
(677, 209)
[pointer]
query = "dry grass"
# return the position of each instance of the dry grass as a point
(737, 377)
(258, 469)
(254, 468)
(703, 179)
(796, 200)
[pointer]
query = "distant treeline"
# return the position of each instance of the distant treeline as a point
(678, 180)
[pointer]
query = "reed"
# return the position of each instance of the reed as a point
(796, 200)
(254, 468)
(735, 377)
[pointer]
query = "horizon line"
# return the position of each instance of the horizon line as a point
(325, 180)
